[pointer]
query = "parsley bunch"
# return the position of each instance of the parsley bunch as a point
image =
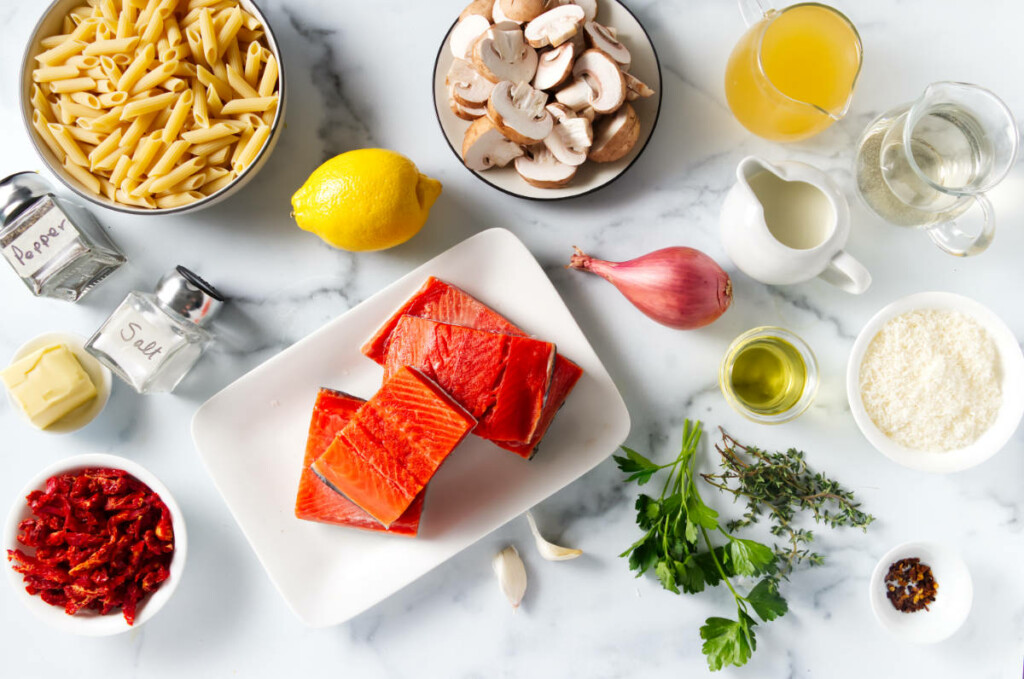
(677, 545)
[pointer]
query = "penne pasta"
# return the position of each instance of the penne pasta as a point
(208, 37)
(155, 103)
(137, 68)
(178, 199)
(112, 99)
(226, 34)
(239, 84)
(252, 148)
(86, 99)
(154, 77)
(252, 105)
(112, 46)
(170, 157)
(67, 142)
(41, 126)
(213, 146)
(82, 175)
(134, 109)
(177, 175)
(253, 58)
(47, 74)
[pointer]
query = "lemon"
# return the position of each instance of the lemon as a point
(370, 199)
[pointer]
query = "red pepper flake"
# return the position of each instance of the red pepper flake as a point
(910, 585)
(103, 540)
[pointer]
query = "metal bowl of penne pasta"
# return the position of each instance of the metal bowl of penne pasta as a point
(153, 106)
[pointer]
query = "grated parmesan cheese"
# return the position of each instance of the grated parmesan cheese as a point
(930, 380)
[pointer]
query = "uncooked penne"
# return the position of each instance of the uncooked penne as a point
(252, 105)
(178, 174)
(178, 199)
(137, 68)
(72, 85)
(252, 148)
(83, 176)
(48, 74)
(268, 82)
(67, 142)
(170, 157)
(134, 109)
(113, 46)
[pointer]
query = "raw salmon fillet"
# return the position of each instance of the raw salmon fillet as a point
(501, 379)
(318, 502)
(390, 449)
(441, 301)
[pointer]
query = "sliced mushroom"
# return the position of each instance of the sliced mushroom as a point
(570, 138)
(499, 16)
(518, 111)
(588, 113)
(466, 85)
(465, 34)
(520, 10)
(502, 54)
(540, 168)
(479, 7)
(575, 95)
(635, 88)
(554, 26)
(554, 66)
(603, 38)
(605, 79)
(463, 111)
(484, 146)
(589, 6)
(615, 135)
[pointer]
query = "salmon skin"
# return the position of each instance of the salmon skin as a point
(440, 301)
(393, 445)
(501, 379)
(318, 502)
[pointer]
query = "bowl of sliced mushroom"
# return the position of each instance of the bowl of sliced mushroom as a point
(547, 99)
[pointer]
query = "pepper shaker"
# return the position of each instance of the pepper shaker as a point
(53, 244)
(152, 340)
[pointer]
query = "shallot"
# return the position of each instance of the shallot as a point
(679, 287)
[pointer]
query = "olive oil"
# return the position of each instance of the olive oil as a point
(768, 375)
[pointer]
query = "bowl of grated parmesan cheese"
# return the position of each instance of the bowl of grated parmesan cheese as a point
(936, 382)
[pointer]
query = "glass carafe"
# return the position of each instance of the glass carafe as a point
(925, 164)
(793, 72)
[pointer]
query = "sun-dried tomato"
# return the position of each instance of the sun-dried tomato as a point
(102, 538)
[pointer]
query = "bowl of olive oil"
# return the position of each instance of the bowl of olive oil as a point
(769, 375)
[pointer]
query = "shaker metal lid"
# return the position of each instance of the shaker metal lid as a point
(185, 293)
(17, 192)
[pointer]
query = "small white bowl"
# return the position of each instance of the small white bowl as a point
(97, 372)
(953, 597)
(90, 623)
(1011, 362)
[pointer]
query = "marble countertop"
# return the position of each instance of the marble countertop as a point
(587, 618)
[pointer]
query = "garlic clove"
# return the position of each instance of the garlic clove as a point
(549, 550)
(511, 575)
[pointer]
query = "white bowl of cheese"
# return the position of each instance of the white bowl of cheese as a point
(1009, 379)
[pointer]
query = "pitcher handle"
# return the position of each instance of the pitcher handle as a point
(753, 10)
(847, 274)
(955, 240)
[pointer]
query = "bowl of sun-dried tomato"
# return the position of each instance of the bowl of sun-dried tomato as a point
(95, 545)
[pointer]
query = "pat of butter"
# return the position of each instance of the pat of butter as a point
(48, 384)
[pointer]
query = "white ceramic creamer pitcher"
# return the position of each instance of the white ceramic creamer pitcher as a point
(788, 223)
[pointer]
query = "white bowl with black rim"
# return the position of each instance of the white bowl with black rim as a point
(1012, 386)
(90, 623)
(50, 24)
(590, 176)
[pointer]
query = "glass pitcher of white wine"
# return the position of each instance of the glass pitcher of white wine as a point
(924, 165)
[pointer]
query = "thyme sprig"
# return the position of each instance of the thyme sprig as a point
(781, 486)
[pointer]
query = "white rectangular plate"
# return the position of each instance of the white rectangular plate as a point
(251, 437)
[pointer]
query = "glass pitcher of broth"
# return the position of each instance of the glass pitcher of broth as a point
(924, 165)
(792, 73)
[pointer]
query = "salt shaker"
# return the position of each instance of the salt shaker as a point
(56, 248)
(151, 341)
